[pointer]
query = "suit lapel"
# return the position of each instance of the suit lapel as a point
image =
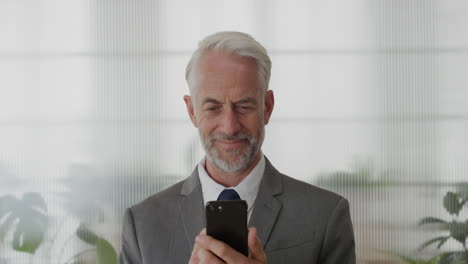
(265, 212)
(267, 206)
(192, 208)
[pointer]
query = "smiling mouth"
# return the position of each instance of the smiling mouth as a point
(231, 144)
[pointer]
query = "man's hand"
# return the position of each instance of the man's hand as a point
(212, 251)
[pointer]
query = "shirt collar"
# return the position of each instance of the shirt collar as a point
(247, 189)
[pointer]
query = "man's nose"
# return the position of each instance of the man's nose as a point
(230, 123)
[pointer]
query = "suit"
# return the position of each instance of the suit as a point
(296, 223)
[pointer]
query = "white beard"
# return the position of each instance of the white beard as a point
(231, 164)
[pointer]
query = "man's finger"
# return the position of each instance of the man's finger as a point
(194, 257)
(205, 256)
(255, 247)
(220, 249)
(203, 231)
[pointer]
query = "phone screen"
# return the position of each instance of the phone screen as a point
(227, 222)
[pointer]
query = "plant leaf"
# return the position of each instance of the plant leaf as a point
(452, 203)
(447, 257)
(30, 212)
(87, 235)
(441, 241)
(27, 240)
(105, 252)
(4, 226)
(459, 231)
(462, 257)
(35, 200)
(431, 220)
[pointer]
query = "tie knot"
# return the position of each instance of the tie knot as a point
(228, 194)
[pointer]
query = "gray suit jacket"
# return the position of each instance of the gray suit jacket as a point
(296, 222)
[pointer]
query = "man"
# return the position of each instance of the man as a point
(290, 221)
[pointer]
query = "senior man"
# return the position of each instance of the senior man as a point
(289, 221)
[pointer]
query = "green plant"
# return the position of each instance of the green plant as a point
(457, 230)
(105, 253)
(30, 213)
(28, 220)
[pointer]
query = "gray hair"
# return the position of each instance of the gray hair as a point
(237, 43)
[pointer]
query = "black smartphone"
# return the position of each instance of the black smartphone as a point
(227, 221)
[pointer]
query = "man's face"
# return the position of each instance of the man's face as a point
(230, 110)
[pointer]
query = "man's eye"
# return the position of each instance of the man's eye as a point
(245, 108)
(212, 109)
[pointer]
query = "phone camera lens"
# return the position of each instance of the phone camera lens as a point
(220, 208)
(211, 207)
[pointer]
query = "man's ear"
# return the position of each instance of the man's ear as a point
(269, 105)
(190, 109)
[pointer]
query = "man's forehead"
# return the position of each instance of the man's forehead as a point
(241, 94)
(244, 100)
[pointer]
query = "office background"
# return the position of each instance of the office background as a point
(371, 102)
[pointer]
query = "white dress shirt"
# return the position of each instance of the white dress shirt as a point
(247, 189)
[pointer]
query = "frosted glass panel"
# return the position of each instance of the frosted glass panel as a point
(371, 102)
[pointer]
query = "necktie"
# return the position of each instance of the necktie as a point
(228, 194)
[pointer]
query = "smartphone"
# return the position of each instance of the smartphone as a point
(227, 221)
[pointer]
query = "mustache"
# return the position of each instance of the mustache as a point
(240, 136)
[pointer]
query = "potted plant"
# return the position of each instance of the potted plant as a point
(455, 229)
